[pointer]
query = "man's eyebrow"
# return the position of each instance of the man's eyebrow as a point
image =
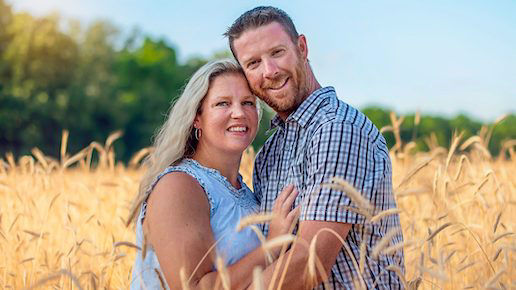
(277, 46)
(246, 60)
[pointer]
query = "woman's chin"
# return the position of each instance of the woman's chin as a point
(239, 147)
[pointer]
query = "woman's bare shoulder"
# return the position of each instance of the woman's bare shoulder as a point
(177, 193)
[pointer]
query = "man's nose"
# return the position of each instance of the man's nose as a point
(270, 69)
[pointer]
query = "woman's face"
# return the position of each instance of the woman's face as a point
(229, 118)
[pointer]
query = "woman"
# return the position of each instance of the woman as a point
(192, 196)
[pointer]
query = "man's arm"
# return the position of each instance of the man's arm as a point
(327, 247)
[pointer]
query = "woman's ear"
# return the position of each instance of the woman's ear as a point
(196, 122)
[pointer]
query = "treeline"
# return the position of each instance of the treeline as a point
(427, 130)
(56, 74)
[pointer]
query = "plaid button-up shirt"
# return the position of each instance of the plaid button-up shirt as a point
(325, 137)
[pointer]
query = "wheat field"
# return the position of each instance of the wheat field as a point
(62, 221)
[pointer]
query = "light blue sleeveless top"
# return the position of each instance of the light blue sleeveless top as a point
(227, 206)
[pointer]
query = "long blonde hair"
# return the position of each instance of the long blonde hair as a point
(175, 140)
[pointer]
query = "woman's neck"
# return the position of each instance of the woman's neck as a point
(227, 164)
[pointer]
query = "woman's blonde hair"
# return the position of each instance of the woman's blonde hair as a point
(175, 140)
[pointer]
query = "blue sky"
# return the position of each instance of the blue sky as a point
(439, 57)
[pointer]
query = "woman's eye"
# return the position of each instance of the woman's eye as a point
(248, 103)
(224, 103)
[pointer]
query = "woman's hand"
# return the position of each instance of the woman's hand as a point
(284, 215)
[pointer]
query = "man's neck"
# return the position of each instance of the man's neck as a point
(311, 82)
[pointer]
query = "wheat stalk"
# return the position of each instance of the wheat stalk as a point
(254, 219)
(384, 213)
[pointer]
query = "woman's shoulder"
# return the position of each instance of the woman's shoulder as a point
(176, 188)
(182, 173)
(176, 181)
(185, 165)
(181, 180)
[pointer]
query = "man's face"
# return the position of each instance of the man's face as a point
(274, 66)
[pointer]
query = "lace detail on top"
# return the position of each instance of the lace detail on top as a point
(238, 194)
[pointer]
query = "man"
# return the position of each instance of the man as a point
(318, 137)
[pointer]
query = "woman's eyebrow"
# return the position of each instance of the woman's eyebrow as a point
(222, 97)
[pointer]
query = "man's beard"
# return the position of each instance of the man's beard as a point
(298, 91)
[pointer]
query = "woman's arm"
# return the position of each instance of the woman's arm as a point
(177, 225)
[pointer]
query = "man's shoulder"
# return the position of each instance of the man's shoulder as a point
(339, 114)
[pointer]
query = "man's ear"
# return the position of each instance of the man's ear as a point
(301, 45)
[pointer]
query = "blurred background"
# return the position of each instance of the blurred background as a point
(94, 67)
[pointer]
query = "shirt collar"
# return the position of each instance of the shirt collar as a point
(307, 108)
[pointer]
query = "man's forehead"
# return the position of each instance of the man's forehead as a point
(260, 38)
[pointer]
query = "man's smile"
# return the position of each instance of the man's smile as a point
(278, 85)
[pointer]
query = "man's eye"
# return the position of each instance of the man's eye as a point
(277, 52)
(252, 64)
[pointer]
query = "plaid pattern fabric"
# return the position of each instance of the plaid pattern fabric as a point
(323, 138)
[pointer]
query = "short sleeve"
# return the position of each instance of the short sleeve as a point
(341, 150)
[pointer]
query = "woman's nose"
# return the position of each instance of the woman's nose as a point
(237, 111)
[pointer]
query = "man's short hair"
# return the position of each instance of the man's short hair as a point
(257, 17)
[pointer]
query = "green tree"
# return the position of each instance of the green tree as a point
(503, 131)
(381, 118)
(92, 110)
(149, 79)
(37, 62)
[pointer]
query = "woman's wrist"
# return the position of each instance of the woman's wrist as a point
(273, 252)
